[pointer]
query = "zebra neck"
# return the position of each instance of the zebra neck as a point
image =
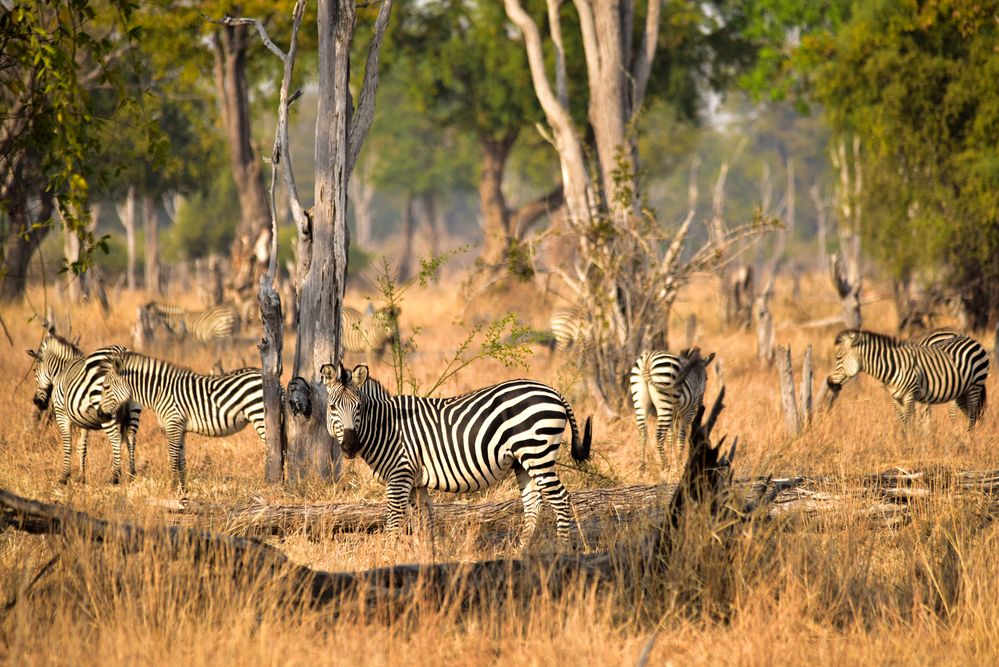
(880, 361)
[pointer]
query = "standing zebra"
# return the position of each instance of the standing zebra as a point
(212, 405)
(459, 444)
(674, 387)
(953, 368)
(73, 384)
(214, 324)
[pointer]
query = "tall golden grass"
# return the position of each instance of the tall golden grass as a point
(830, 589)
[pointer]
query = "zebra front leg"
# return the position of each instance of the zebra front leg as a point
(81, 448)
(530, 494)
(399, 488)
(175, 443)
(130, 433)
(113, 431)
(66, 437)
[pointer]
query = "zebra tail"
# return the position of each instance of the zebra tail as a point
(581, 450)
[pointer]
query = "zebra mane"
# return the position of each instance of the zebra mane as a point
(861, 335)
(60, 347)
(372, 388)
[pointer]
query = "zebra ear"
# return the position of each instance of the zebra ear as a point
(328, 372)
(708, 359)
(360, 374)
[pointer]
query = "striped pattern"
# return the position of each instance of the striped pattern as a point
(457, 444)
(951, 368)
(206, 326)
(73, 383)
(672, 387)
(365, 333)
(185, 401)
(566, 325)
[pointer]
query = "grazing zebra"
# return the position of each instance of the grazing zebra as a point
(214, 324)
(459, 444)
(674, 387)
(953, 368)
(363, 332)
(73, 384)
(212, 405)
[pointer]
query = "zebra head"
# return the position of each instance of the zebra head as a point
(847, 359)
(345, 409)
(116, 392)
(53, 355)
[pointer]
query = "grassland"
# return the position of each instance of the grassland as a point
(823, 589)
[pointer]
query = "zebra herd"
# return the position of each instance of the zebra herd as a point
(463, 443)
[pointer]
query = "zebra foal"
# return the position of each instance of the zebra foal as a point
(673, 387)
(184, 401)
(72, 383)
(950, 368)
(459, 444)
(212, 325)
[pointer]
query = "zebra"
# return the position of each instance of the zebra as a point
(458, 444)
(566, 325)
(72, 384)
(953, 368)
(184, 401)
(366, 332)
(214, 324)
(674, 387)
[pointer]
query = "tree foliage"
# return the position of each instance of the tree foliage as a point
(919, 83)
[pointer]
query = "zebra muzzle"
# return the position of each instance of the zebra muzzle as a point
(833, 386)
(41, 402)
(103, 416)
(350, 444)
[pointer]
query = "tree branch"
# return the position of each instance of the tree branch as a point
(642, 68)
(365, 114)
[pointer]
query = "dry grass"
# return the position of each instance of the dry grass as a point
(821, 589)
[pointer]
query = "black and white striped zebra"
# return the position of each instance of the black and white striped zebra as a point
(184, 401)
(214, 324)
(459, 444)
(953, 368)
(566, 325)
(365, 333)
(72, 383)
(673, 387)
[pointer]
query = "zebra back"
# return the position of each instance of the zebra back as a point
(212, 405)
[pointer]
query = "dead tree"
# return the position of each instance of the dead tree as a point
(845, 265)
(127, 215)
(765, 326)
(150, 222)
(787, 394)
(321, 271)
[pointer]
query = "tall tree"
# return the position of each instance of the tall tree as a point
(53, 56)
(463, 71)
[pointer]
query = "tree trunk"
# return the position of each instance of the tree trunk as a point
(150, 223)
(230, 45)
(22, 239)
(409, 231)
(496, 231)
(362, 196)
(425, 211)
(127, 213)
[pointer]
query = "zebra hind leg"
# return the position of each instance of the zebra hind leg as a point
(555, 494)
(66, 437)
(530, 494)
(971, 404)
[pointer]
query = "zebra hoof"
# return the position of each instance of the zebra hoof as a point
(115, 480)
(64, 480)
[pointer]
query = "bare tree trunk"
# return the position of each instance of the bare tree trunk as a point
(787, 394)
(822, 224)
(424, 209)
(409, 231)
(496, 231)
(846, 270)
(229, 45)
(362, 196)
(150, 223)
(127, 214)
(807, 380)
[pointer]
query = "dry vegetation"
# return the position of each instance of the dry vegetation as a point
(823, 588)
